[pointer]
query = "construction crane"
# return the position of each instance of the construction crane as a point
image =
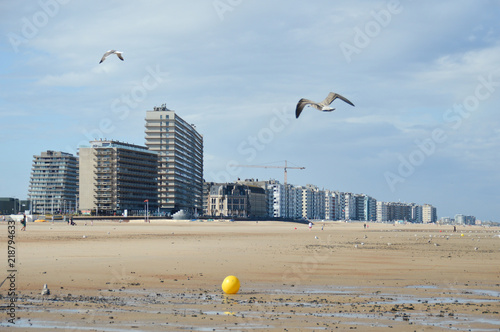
(284, 167)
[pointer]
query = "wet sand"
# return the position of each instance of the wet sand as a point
(167, 275)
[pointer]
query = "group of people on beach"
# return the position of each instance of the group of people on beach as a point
(24, 220)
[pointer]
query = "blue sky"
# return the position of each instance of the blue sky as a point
(424, 76)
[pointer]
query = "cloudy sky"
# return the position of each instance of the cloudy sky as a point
(424, 76)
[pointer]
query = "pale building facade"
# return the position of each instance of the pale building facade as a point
(180, 152)
(382, 211)
(331, 205)
(236, 200)
(429, 214)
(117, 177)
(53, 183)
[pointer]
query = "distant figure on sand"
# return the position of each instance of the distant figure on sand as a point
(23, 222)
(310, 225)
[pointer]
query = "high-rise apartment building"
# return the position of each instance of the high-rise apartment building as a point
(349, 207)
(331, 205)
(180, 152)
(461, 219)
(116, 177)
(53, 183)
(366, 207)
(416, 213)
(382, 211)
(429, 214)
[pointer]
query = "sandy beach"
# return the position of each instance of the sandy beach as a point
(167, 275)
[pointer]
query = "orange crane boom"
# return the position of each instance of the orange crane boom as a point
(284, 167)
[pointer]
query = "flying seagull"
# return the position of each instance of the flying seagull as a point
(108, 53)
(323, 106)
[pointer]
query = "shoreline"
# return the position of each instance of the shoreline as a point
(344, 276)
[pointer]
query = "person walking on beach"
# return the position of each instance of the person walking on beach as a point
(23, 222)
(310, 225)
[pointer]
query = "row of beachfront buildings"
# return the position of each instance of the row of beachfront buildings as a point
(115, 178)
(271, 199)
(166, 175)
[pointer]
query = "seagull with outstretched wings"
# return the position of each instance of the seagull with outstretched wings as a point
(323, 106)
(108, 53)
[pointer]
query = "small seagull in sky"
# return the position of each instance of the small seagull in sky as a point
(323, 106)
(108, 53)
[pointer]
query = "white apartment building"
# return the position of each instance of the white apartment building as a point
(53, 184)
(382, 211)
(332, 205)
(429, 214)
(180, 151)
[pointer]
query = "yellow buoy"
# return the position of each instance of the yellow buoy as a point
(462, 234)
(231, 285)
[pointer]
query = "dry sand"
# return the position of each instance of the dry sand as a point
(167, 275)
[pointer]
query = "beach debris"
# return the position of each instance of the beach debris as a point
(85, 236)
(389, 244)
(45, 290)
(355, 246)
(316, 237)
(436, 244)
(231, 285)
(475, 248)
